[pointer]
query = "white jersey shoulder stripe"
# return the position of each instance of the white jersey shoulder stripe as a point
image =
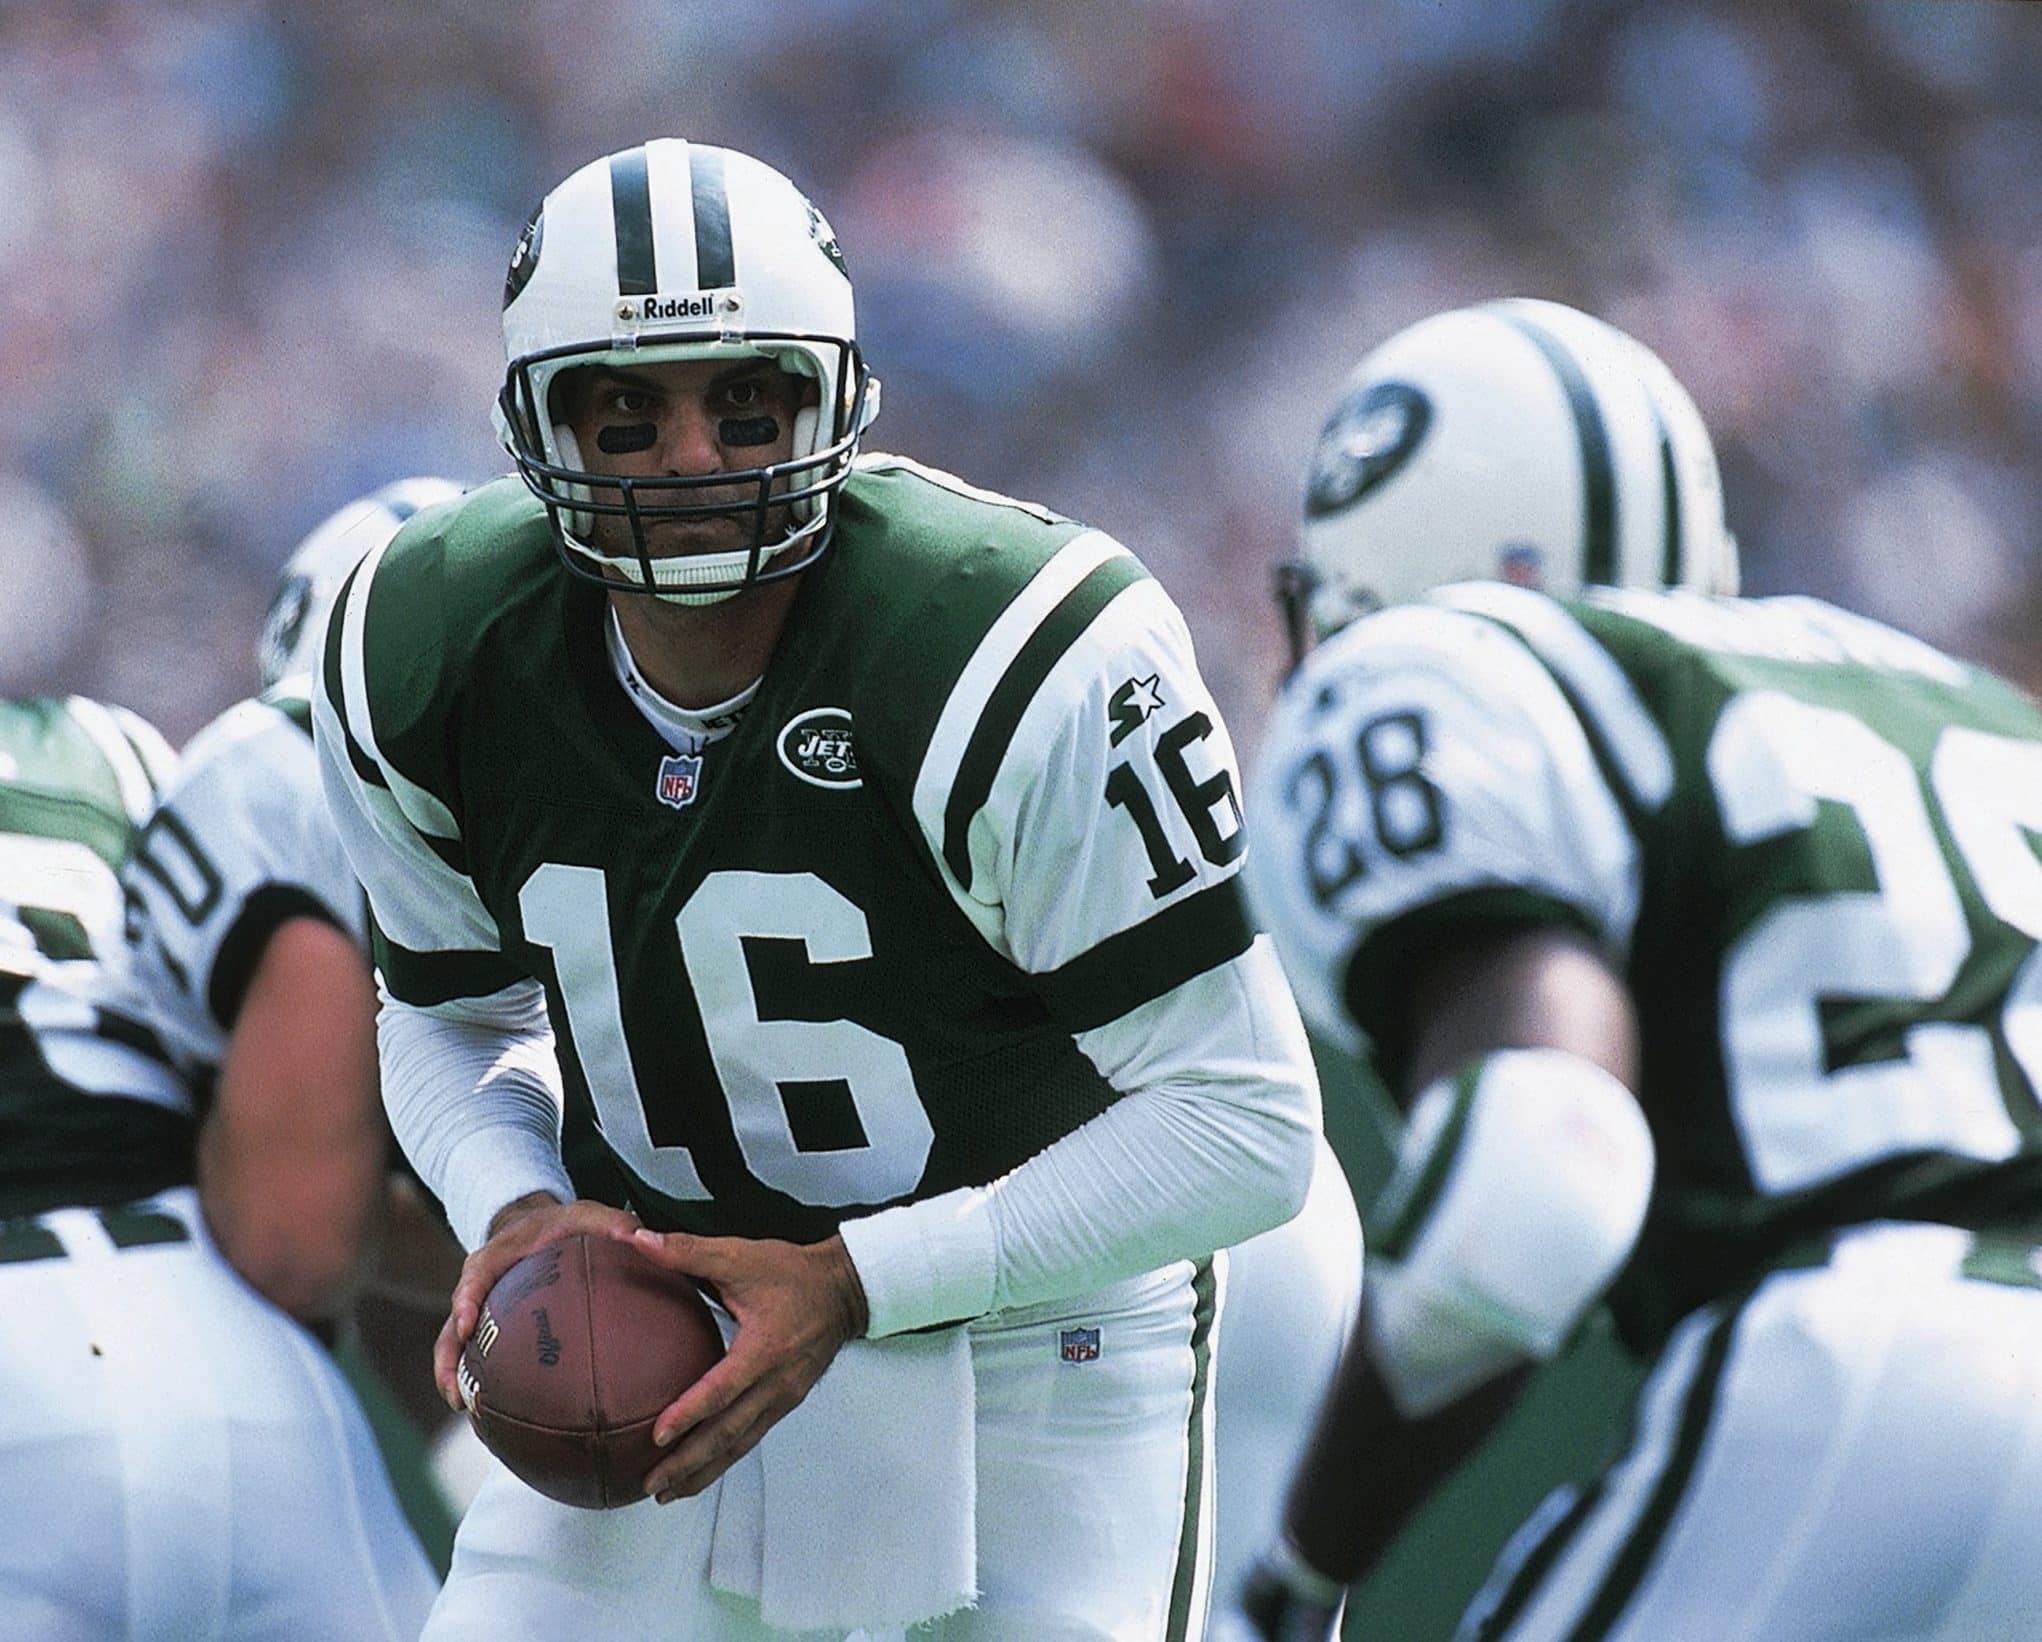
(879, 461)
(1608, 700)
(421, 902)
(131, 776)
(1074, 691)
(421, 808)
(996, 652)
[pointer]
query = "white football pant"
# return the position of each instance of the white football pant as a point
(1094, 1489)
(178, 1459)
(1292, 1295)
(1854, 1451)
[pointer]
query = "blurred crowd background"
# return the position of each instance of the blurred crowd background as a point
(1115, 257)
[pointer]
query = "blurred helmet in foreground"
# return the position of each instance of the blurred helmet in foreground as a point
(291, 632)
(1517, 441)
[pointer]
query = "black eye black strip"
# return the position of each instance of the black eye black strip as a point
(748, 430)
(625, 439)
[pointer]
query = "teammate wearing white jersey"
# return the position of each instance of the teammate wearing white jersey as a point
(249, 930)
(178, 1458)
(1699, 937)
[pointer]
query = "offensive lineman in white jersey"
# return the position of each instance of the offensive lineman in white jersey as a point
(249, 932)
(178, 1459)
(1698, 936)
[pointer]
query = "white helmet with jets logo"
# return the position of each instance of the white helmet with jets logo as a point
(292, 630)
(1520, 441)
(679, 251)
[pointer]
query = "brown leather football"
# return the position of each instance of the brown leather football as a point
(578, 1348)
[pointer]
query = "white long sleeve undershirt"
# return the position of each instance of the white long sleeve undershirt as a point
(474, 1096)
(1211, 1143)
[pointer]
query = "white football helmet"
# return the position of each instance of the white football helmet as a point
(1520, 441)
(292, 631)
(678, 251)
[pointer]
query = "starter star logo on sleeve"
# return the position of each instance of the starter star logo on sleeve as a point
(1133, 705)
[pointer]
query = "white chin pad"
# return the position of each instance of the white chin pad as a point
(1520, 1189)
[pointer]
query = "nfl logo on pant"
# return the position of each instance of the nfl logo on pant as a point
(1077, 1345)
(679, 777)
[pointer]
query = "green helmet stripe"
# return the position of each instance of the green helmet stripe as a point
(1671, 568)
(631, 211)
(1598, 474)
(715, 263)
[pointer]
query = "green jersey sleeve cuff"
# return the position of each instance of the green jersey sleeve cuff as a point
(424, 979)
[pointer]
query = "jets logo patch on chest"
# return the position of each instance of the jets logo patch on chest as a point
(816, 747)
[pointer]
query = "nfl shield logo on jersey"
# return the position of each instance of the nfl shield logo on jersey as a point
(1077, 1345)
(679, 777)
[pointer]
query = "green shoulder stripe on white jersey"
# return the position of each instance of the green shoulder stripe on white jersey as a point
(993, 736)
(426, 899)
(1610, 707)
(1055, 596)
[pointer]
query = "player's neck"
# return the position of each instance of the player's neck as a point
(703, 655)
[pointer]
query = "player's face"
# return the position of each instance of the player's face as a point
(685, 419)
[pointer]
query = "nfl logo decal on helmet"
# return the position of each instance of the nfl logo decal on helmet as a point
(680, 778)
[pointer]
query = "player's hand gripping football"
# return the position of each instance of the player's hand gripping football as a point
(795, 1307)
(519, 1228)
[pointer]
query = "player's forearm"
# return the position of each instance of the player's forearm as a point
(291, 1155)
(1213, 1143)
(476, 1107)
(1367, 1470)
(295, 1224)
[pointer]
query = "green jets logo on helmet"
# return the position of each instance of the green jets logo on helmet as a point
(819, 230)
(1367, 438)
(525, 256)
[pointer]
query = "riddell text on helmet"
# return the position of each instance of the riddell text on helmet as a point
(671, 307)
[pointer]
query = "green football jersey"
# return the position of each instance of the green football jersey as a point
(1808, 841)
(842, 956)
(89, 1109)
(76, 779)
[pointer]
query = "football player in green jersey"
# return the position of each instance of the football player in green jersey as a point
(856, 853)
(1699, 936)
(192, 1462)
